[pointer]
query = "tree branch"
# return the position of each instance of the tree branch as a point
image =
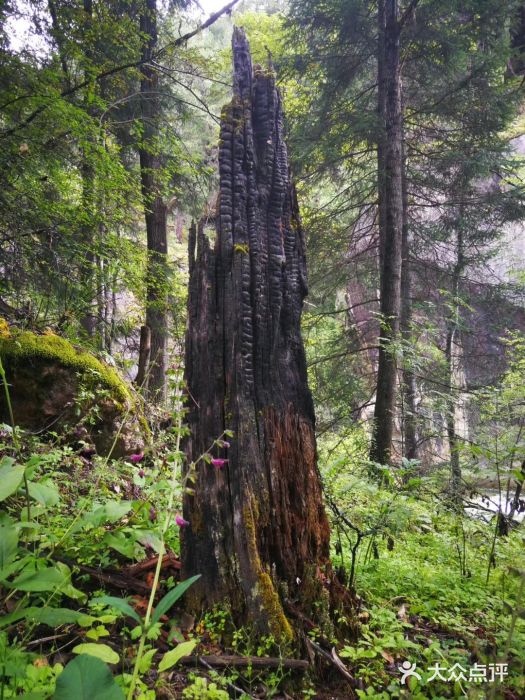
(406, 14)
(117, 69)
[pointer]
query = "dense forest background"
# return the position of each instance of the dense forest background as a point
(405, 133)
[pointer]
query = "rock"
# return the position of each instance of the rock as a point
(55, 386)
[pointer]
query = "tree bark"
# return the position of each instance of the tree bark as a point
(390, 165)
(144, 355)
(409, 418)
(451, 333)
(88, 281)
(155, 209)
(258, 530)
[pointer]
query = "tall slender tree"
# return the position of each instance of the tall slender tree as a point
(390, 191)
(155, 208)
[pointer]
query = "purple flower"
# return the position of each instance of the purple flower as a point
(142, 473)
(218, 462)
(152, 514)
(136, 457)
(181, 522)
(225, 443)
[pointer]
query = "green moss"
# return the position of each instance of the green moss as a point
(265, 592)
(271, 604)
(250, 514)
(148, 435)
(23, 345)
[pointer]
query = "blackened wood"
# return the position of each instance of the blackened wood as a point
(258, 529)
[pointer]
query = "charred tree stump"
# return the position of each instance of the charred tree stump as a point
(258, 531)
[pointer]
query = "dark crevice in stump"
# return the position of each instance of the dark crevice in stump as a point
(258, 530)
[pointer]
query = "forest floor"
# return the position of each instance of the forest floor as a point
(435, 589)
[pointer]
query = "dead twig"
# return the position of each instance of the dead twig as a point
(229, 685)
(168, 560)
(247, 661)
(333, 658)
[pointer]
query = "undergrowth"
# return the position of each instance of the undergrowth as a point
(433, 586)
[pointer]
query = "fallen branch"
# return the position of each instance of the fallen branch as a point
(43, 640)
(113, 578)
(247, 661)
(229, 685)
(168, 560)
(334, 659)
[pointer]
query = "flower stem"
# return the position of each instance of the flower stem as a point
(156, 578)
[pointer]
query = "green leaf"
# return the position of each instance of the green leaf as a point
(171, 597)
(48, 579)
(32, 464)
(149, 539)
(145, 662)
(45, 493)
(87, 678)
(120, 604)
(52, 617)
(8, 542)
(11, 476)
(52, 578)
(170, 658)
(115, 510)
(14, 567)
(9, 619)
(122, 544)
(99, 651)
(109, 512)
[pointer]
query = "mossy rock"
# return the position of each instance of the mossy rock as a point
(56, 386)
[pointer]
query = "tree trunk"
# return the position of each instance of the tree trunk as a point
(155, 209)
(453, 444)
(88, 280)
(452, 330)
(391, 199)
(258, 530)
(381, 139)
(144, 355)
(409, 418)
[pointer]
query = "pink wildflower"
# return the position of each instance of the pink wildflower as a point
(181, 522)
(136, 457)
(225, 443)
(218, 462)
(142, 473)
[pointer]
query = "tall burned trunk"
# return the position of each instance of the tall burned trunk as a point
(390, 169)
(258, 530)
